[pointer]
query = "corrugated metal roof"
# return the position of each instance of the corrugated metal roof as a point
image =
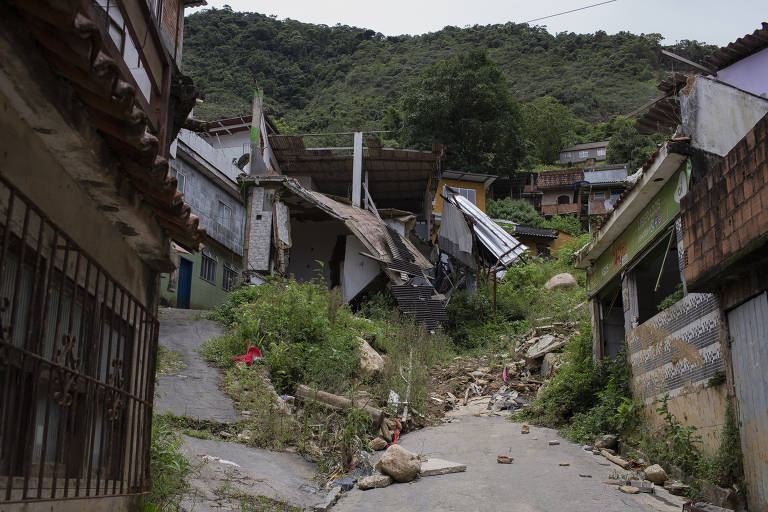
(534, 231)
(607, 176)
(501, 244)
(740, 48)
(588, 145)
(469, 176)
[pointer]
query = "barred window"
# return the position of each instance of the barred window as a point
(76, 359)
(230, 277)
(208, 266)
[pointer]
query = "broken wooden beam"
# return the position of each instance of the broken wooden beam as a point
(616, 460)
(338, 402)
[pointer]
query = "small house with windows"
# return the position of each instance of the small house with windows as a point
(591, 151)
(474, 187)
(581, 192)
(208, 179)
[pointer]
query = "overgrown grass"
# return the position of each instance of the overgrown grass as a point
(168, 468)
(521, 303)
(584, 399)
(168, 361)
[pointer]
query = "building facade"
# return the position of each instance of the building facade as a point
(581, 192)
(591, 151)
(87, 212)
(208, 181)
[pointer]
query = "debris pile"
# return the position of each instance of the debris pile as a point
(491, 383)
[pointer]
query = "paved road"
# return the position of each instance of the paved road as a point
(534, 482)
(282, 476)
(194, 390)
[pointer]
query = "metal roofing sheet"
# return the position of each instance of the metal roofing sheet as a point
(587, 145)
(607, 176)
(493, 237)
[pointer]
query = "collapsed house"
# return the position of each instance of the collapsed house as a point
(470, 240)
(676, 271)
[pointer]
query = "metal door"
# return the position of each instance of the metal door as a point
(185, 283)
(748, 327)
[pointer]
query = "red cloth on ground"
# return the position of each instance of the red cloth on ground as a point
(253, 353)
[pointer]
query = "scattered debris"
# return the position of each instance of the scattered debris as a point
(249, 357)
(587, 448)
(329, 501)
(655, 474)
(629, 489)
(608, 441)
(643, 485)
(546, 344)
(534, 439)
(525, 429)
(377, 444)
(399, 463)
(611, 482)
(585, 476)
(337, 402)
(432, 467)
(226, 462)
(703, 507)
(504, 459)
(677, 488)
(565, 464)
(347, 483)
(376, 481)
(616, 460)
(554, 443)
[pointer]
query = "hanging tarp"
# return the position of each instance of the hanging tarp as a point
(455, 237)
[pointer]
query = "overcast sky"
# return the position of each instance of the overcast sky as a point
(713, 21)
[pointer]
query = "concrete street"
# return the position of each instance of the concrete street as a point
(534, 482)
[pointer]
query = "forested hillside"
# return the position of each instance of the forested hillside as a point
(320, 78)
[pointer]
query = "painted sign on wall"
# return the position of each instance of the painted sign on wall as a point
(651, 221)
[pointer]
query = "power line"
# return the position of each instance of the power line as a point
(572, 10)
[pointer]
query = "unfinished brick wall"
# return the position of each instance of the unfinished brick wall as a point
(171, 17)
(725, 215)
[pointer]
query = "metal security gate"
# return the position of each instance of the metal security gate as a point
(748, 326)
(77, 364)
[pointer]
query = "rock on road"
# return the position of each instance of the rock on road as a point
(534, 482)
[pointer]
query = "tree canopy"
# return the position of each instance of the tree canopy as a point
(627, 145)
(464, 103)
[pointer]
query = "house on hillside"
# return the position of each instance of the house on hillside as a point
(589, 153)
(581, 192)
(208, 180)
(676, 271)
(541, 242)
(91, 99)
(475, 187)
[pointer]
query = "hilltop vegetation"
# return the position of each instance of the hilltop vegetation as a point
(321, 78)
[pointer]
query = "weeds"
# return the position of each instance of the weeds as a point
(168, 361)
(168, 469)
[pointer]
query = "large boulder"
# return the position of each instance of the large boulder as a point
(399, 463)
(561, 282)
(371, 363)
(608, 441)
(655, 474)
(377, 444)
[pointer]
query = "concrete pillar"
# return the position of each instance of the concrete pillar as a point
(259, 230)
(357, 169)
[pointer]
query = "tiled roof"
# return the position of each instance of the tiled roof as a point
(559, 179)
(73, 43)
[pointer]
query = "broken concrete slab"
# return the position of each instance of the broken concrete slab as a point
(374, 482)
(547, 343)
(329, 501)
(432, 467)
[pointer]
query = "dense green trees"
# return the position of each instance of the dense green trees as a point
(627, 145)
(464, 103)
(323, 78)
(548, 127)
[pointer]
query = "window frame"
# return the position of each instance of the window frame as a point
(229, 277)
(228, 209)
(208, 263)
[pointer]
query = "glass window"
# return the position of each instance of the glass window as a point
(583, 154)
(600, 151)
(230, 277)
(180, 178)
(563, 200)
(208, 266)
(599, 196)
(225, 215)
(468, 193)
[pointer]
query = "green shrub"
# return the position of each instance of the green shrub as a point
(168, 468)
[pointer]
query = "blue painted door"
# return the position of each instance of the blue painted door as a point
(184, 284)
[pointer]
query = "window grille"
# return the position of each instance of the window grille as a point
(77, 364)
(208, 266)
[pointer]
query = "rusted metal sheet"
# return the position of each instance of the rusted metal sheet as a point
(748, 327)
(678, 347)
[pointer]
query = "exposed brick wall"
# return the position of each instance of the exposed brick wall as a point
(171, 17)
(725, 214)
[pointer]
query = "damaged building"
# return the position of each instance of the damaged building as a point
(676, 271)
(90, 99)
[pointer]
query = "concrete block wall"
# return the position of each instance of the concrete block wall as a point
(259, 235)
(725, 215)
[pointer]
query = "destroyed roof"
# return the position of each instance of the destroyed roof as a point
(663, 114)
(397, 178)
(607, 176)
(741, 48)
(522, 230)
(469, 176)
(587, 145)
(503, 246)
(230, 125)
(68, 31)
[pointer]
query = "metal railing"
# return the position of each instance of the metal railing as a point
(77, 365)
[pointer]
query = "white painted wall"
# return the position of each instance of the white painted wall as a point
(313, 241)
(717, 116)
(750, 74)
(358, 271)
